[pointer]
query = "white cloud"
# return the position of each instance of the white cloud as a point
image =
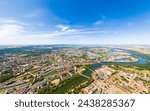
(10, 21)
(10, 29)
(62, 27)
(99, 22)
(15, 32)
(65, 30)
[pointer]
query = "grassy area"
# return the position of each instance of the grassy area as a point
(52, 72)
(136, 70)
(76, 80)
(132, 69)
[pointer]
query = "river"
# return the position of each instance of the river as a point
(88, 72)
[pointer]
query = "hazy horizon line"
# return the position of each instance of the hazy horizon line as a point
(66, 44)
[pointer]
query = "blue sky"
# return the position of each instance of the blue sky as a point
(74, 22)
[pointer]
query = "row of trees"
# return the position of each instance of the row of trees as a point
(6, 76)
(78, 88)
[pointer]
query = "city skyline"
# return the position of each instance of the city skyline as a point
(32, 22)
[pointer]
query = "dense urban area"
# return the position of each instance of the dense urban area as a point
(74, 69)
